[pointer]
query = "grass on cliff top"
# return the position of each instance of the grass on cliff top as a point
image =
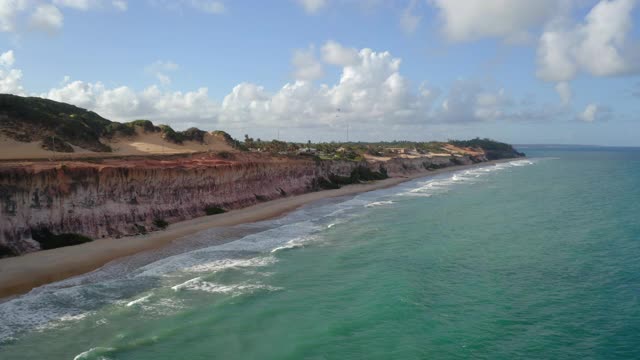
(31, 119)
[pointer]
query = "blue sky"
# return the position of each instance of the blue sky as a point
(519, 71)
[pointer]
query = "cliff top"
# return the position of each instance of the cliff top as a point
(33, 128)
(36, 128)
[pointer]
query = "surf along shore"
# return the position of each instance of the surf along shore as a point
(18, 275)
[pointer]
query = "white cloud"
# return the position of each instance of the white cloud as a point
(599, 46)
(208, 6)
(10, 78)
(370, 95)
(123, 103)
(9, 10)
(336, 54)
(473, 19)
(564, 91)
(120, 5)
(76, 4)
(312, 6)
(307, 66)
(161, 69)
(7, 59)
(468, 101)
(85, 5)
(46, 18)
(409, 21)
(46, 15)
(594, 112)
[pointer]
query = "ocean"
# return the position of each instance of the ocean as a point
(536, 258)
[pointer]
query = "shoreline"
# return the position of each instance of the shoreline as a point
(19, 275)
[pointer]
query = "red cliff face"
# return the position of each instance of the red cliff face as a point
(117, 197)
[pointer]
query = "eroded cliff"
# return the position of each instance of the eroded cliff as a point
(114, 198)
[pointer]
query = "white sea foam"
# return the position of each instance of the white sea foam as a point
(443, 184)
(197, 284)
(185, 284)
(378, 203)
(225, 264)
(89, 354)
(138, 301)
(289, 245)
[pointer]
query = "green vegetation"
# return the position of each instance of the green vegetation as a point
(225, 155)
(214, 210)
(60, 125)
(51, 144)
(230, 140)
(6, 251)
(141, 229)
(31, 118)
(494, 149)
(160, 223)
(49, 240)
(358, 175)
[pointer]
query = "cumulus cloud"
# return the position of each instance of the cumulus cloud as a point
(46, 18)
(161, 69)
(10, 78)
(123, 103)
(312, 6)
(594, 113)
(7, 59)
(473, 19)
(409, 21)
(9, 10)
(46, 15)
(371, 94)
(121, 5)
(307, 66)
(336, 54)
(564, 91)
(599, 46)
(468, 101)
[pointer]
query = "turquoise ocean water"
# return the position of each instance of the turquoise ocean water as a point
(535, 258)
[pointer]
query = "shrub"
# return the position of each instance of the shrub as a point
(171, 135)
(225, 155)
(6, 251)
(160, 223)
(140, 229)
(51, 144)
(146, 125)
(230, 140)
(324, 184)
(214, 210)
(193, 134)
(49, 240)
(363, 173)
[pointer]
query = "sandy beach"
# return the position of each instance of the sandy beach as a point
(19, 275)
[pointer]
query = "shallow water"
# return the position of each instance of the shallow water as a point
(535, 258)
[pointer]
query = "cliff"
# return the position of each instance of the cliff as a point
(119, 197)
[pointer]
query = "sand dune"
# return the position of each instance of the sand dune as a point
(140, 144)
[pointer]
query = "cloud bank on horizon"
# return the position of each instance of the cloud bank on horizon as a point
(333, 83)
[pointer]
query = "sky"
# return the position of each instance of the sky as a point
(520, 71)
